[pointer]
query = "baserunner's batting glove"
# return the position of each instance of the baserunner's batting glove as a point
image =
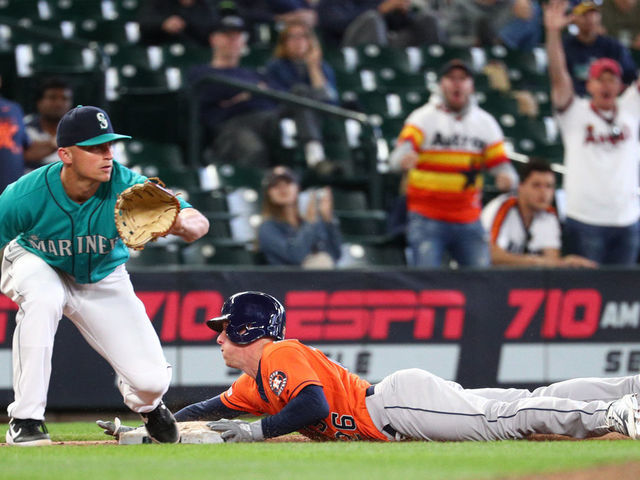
(233, 431)
(114, 428)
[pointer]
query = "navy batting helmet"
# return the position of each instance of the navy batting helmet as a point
(250, 316)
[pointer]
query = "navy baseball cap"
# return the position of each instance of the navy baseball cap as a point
(454, 64)
(86, 126)
(230, 23)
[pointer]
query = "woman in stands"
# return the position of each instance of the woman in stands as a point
(298, 68)
(286, 237)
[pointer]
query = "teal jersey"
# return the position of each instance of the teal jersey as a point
(79, 239)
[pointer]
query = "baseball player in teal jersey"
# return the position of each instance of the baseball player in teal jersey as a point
(63, 256)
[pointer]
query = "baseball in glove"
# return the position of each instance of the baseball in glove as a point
(144, 212)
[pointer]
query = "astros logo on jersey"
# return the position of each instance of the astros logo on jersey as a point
(277, 382)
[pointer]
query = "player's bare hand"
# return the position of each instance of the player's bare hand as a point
(233, 431)
(504, 182)
(325, 204)
(556, 16)
(409, 160)
(174, 24)
(576, 261)
(311, 215)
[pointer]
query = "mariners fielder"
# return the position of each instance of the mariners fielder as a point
(63, 256)
(300, 389)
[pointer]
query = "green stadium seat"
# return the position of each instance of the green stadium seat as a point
(209, 201)
(127, 9)
(139, 56)
(435, 56)
(154, 256)
(207, 251)
(143, 153)
(55, 58)
(234, 176)
(107, 31)
(256, 58)
(362, 224)
(79, 10)
(184, 56)
(343, 60)
(387, 105)
(19, 9)
(364, 255)
(404, 60)
(347, 200)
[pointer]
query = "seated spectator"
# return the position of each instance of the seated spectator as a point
(381, 22)
(524, 229)
(478, 22)
(523, 31)
(286, 237)
(445, 147)
(298, 68)
(242, 126)
(163, 21)
(13, 142)
(54, 99)
(589, 44)
(621, 20)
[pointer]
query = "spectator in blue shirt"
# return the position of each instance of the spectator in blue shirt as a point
(286, 237)
(589, 44)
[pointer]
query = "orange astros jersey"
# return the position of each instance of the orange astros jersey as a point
(453, 150)
(286, 367)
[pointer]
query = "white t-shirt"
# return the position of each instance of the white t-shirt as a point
(602, 175)
(502, 220)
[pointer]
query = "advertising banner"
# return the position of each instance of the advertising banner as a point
(479, 328)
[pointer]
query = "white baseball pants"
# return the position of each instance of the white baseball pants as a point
(420, 405)
(108, 315)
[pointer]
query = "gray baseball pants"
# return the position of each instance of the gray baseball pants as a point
(420, 405)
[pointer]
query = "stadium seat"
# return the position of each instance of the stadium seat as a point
(349, 199)
(211, 252)
(359, 224)
(32, 9)
(404, 60)
(154, 256)
(435, 56)
(55, 58)
(364, 255)
(210, 201)
(139, 56)
(107, 31)
(184, 56)
(79, 10)
(256, 57)
(343, 60)
(142, 153)
(234, 176)
(127, 9)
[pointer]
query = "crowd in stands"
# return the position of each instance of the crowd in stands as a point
(453, 91)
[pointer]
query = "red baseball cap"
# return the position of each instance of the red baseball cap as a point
(601, 65)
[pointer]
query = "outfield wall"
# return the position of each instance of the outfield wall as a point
(480, 328)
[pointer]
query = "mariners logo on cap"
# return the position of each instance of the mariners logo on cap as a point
(277, 382)
(104, 123)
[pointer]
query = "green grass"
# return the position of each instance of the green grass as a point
(467, 460)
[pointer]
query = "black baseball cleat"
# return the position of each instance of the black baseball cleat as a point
(27, 433)
(160, 424)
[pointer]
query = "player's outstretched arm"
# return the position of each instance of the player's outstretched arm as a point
(190, 225)
(307, 408)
